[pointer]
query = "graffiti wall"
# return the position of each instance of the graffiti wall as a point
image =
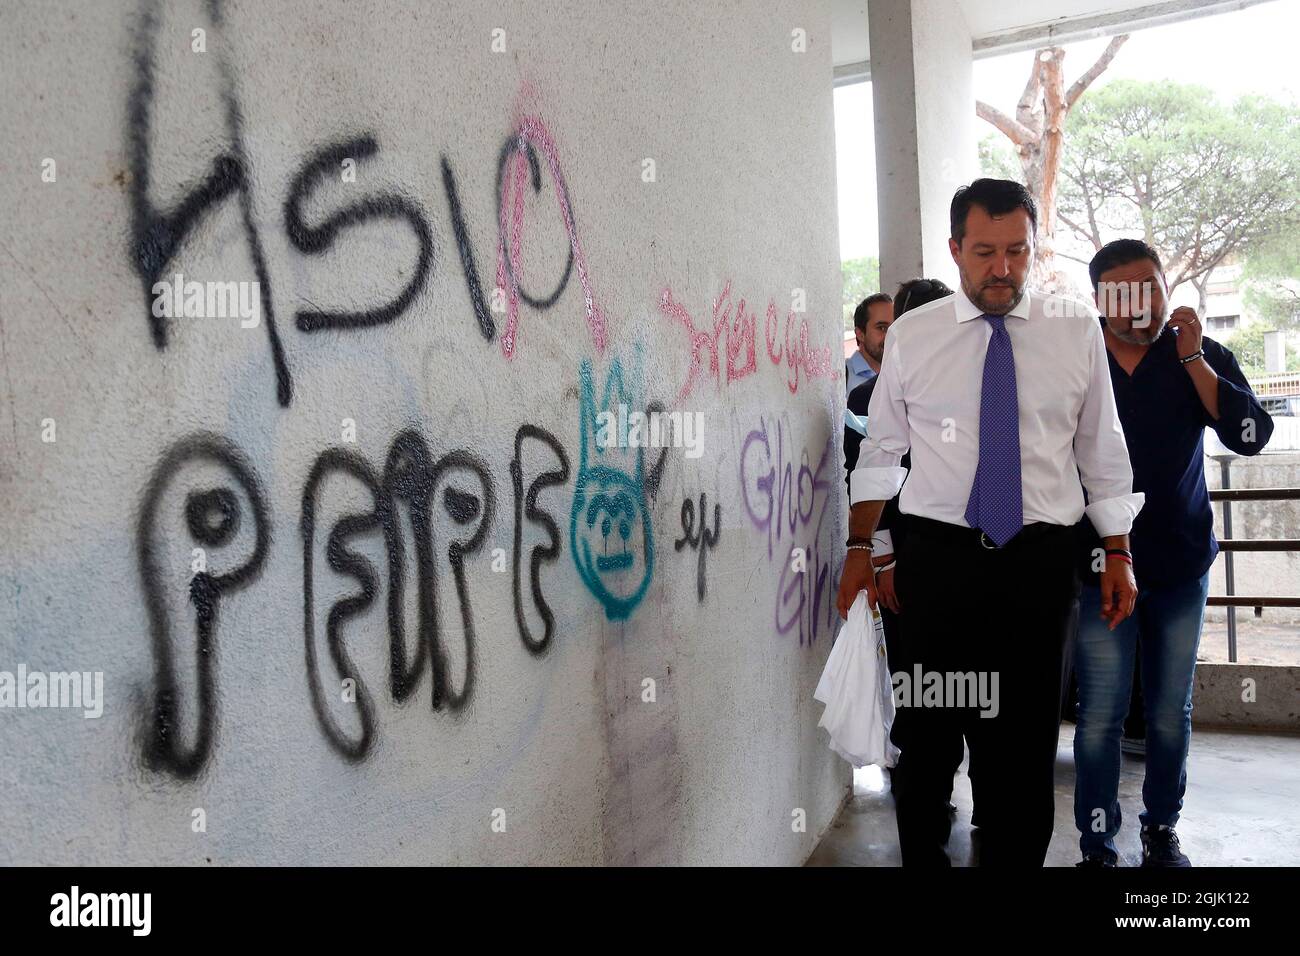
(419, 422)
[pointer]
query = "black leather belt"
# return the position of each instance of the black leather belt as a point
(973, 537)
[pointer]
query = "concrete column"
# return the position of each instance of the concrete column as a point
(925, 131)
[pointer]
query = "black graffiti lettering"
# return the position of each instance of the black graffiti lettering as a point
(515, 144)
(315, 240)
(213, 518)
(348, 563)
(157, 236)
(465, 463)
(411, 482)
(701, 540)
(407, 479)
(526, 507)
(481, 312)
(410, 474)
(654, 476)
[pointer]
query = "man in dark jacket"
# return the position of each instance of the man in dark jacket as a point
(871, 321)
(911, 294)
(1171, 383)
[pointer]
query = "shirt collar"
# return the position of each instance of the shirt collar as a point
(967, 310)
(858, 363)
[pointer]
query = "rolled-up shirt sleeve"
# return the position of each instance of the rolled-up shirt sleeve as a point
(1243, 425)
(1102, 455)
(879, 474)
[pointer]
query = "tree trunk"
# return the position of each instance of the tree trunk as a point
(1038, 133)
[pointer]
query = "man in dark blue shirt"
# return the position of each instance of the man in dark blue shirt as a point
(1171, 383)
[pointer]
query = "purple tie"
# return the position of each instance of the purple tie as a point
(995, 506)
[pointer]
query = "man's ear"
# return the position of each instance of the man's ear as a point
(954, 247)
(1164, 285)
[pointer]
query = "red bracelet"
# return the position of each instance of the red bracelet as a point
(1122, 557)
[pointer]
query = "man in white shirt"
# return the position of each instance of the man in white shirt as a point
(1004, 401)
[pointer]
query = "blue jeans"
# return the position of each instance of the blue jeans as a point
(1166, 627)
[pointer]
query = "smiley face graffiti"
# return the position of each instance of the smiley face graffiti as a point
(609, 532)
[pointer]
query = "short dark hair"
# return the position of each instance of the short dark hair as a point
(1120, 253)
(915, 293)
(860, 313)
(997, 197)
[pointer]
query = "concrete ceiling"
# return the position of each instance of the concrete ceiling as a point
(1005, 26)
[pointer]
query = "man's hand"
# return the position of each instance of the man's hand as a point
(1118, 591)
(885, 582)
(858, 575)
(1188, 327)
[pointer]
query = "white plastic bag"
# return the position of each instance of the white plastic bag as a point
(858, 692)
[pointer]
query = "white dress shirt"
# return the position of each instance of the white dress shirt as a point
(928, 401)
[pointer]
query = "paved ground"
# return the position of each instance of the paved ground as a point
(1240, 808)
(1258, 641)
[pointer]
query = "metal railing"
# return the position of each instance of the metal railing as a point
(1229, 545)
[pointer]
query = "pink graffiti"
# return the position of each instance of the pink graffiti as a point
(815, 363)
(740, 338)
(794, 507)
(740, 332)
(533, 131)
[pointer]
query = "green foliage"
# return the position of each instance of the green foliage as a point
(861, 279)
(1247, 344)
(1271, 279)
(1166, 162)
(998, 160)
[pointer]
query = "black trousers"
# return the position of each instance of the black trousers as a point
(900, 660)
(996, 620)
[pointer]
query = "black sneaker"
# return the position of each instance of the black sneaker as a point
(1096, 861)
(1160, 848)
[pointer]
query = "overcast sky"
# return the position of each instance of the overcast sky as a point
(1253, 50)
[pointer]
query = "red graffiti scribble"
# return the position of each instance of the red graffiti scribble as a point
(740, 331)
(770, 328)
(740, 337)
(532, 131)
(816, 363)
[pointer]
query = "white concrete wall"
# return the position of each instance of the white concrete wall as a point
(924, 109)
(98, 569)
(945, 123)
